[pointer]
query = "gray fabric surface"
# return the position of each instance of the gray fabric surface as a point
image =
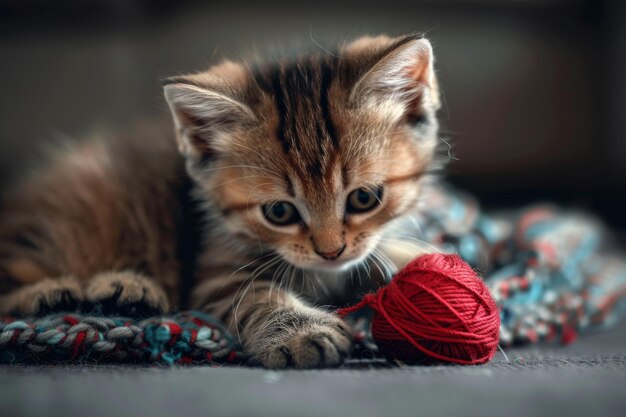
(587, 378)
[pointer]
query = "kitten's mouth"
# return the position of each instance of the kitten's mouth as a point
(346, 261)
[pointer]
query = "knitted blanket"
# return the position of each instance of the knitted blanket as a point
(550, 272)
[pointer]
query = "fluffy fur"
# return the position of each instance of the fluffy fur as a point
(137, 227)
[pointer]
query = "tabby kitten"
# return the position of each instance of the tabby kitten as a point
(296, 171)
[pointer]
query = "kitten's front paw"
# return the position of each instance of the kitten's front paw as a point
(126, 293)
(301, 339)
(48, 296)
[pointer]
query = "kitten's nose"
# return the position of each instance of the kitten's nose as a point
(331, 256)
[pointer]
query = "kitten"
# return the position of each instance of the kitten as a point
(299, 169)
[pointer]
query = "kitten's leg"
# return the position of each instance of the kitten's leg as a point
(45, 296)
(98, 206)
(126, 292)
(275, 328)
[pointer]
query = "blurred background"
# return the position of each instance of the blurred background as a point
(534, 90)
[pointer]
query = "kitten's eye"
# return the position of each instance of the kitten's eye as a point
(364, 199)
(281, 213)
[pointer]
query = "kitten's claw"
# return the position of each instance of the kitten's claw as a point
(126, 294)
(56, 301)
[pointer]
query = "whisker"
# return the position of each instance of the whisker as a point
(449, 148)
(375, 262)
(409, 240)
(291, 279)
(243, 267)
(284, 277)
(313, 287)
(358, 272)
(282, 268)
(383, 264)
(392, 269)
(322, 284)
(302, 281)
(251, 277)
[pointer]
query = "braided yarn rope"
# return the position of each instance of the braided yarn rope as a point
(185, 338)
(547, 270)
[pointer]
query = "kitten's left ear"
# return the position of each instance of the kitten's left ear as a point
(205, 117)
(402, 74)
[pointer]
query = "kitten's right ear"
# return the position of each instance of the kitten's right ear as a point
(399, 74)
(204, 117)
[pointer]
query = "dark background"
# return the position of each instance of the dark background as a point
(534, 90)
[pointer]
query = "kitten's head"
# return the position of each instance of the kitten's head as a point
(312, 157)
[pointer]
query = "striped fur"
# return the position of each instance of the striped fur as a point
(125, 229)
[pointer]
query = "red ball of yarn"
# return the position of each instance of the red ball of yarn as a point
(436, 309)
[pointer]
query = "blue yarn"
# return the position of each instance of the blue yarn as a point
(205, 334)
(55, 339)
(470, 249)
(17, 325)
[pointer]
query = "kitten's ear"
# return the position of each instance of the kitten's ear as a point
(204, 117)
(399, 72)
